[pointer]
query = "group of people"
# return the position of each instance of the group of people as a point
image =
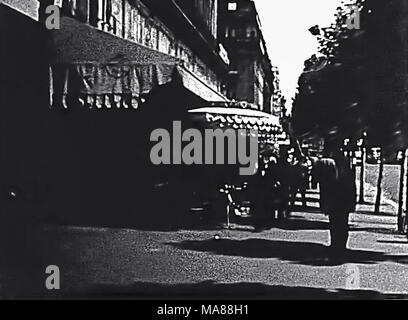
(274, 189)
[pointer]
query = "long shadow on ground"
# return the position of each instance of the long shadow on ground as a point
(305, 253)
(212, 290)
(296, 223)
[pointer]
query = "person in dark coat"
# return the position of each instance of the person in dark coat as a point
(314, 180)
(337, 196)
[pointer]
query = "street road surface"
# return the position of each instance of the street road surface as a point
(288, 261)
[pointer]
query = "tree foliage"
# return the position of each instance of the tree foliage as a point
(358, 80)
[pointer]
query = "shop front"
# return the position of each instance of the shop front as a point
(107, 95)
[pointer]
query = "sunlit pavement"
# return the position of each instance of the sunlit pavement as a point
(289, 260)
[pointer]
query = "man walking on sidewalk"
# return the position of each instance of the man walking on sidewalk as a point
(337, 196)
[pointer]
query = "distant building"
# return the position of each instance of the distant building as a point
(278, 99)
(240, 31)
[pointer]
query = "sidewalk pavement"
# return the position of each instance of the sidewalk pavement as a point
(288, 261)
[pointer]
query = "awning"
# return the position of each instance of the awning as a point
(112, 85)
(250, 114)
(267, 125)
(77, 42)
(195, 85)
(94, 68)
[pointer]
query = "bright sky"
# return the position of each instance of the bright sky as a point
(285, 27)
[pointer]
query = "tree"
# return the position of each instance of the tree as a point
(358, 80)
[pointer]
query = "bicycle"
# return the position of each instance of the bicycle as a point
(232, 206)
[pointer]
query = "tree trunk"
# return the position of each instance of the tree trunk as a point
(379, 186)
(403, 190)
(401, 195)
(362, 174)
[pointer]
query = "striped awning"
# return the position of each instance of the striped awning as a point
(268, 126)
(237, 118)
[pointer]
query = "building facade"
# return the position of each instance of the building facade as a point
(185, 30)
(113, 72)
(240, 31)
(278, 99)
(104, 54)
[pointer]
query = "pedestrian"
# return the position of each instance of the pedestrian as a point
(314, 181)
(262, 190)
(337, 196)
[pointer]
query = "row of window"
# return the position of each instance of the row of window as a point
(248, 32)
(134, 23)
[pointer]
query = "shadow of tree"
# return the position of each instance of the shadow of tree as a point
(305, 253)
